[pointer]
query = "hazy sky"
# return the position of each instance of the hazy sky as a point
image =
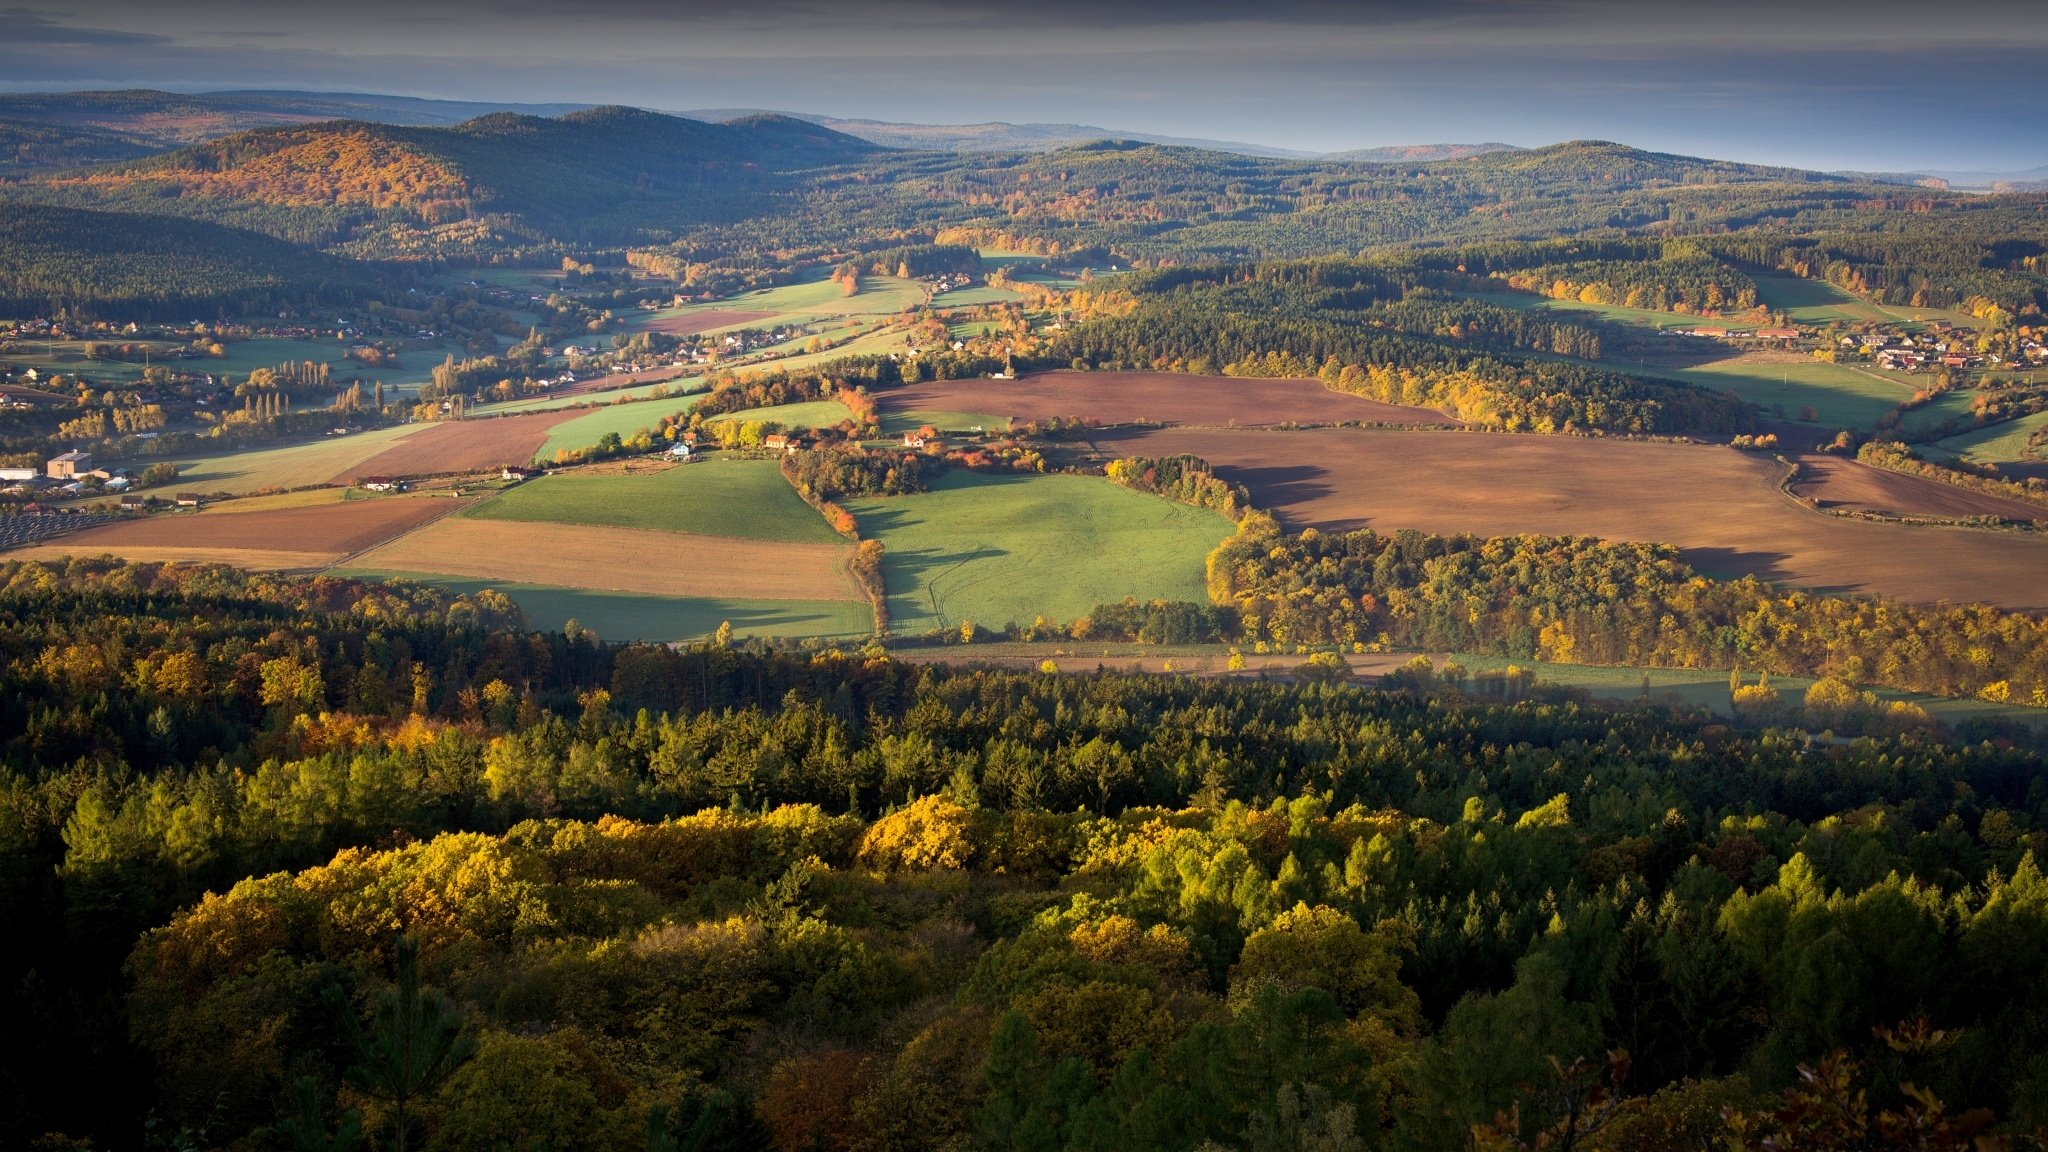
(1895, 84)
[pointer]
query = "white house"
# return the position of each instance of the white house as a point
(680, 451)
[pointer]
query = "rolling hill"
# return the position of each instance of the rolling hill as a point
(596, 176)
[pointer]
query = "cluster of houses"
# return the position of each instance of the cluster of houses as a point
(1773, 335)
(1944, 347)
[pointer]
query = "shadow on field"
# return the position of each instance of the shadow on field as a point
(1729, 563)
(1277, 486)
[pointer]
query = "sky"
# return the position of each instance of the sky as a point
(1877, 85)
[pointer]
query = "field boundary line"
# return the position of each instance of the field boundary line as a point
(457, 505)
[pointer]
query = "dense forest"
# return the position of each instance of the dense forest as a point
(265, 835)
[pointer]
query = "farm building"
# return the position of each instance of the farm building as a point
(680, 451)
(520, 472)
(9, 475)
(1777, 333)
(782, 442)
(188, 500)
(69, 465)
(380, 484)
(913, 439)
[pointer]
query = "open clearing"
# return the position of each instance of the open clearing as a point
(993, 549)
(582, 429)
(1639, 317)
(741, 498)
(305, 536)
(620, 560)
(1839, 483)
(1168, 397)
(1819, 302)
(1720, 506)
(620, 616)
(1999, 444)
(459, 446)
(816, 298)
(1784, 383)
(809, 414)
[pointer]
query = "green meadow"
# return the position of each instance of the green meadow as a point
(1840, 396)
(809, 414)
(1996, 444)
(627, 616)
(743, 498)
(998, 548)
(1819, 302)
(625, 419)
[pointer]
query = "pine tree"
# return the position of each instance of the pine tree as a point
(416, 1040)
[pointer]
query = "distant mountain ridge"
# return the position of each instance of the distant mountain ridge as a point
(996, 135)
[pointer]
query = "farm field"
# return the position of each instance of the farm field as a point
(1721, 507)
(1782, 384)
(875, 342)
(1997, 444)
(1819, 302)
(583, 429)
(993, 549)
(809, 414)
(978, 294)
(458, 446)
(242, 357)
(815, 298)
(1842, 483)
(1170, 397)
(746, 499)
(290, 466)
(1639, 317)
(677, 386)
(896, 423)
(306, 536)
(621, 616)
(620, 560)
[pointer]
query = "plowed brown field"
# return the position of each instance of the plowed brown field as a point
(1721, 507)
(462, 446)
(689, 324)
(620, 560)
(307, 537)
(1152, 397)
(1838, 483)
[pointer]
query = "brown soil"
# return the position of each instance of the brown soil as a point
(1152, 397)
(620, 380)
(1721, 507)
(338, 528)
(1836, 482)
(620, 560)
(475, 445)
(692, 323)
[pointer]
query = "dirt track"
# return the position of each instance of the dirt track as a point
(473, 445)
(1152, 397)
(1721, 507)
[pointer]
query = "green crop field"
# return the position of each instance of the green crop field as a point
(897, 423)
(624, 419)
(743, 498)
(810, 414)
(1997, 444)
(877, 342)
(625, 616)
(685, 384)
(993, 549)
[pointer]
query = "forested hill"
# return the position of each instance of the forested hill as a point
(134, 267)
(164, 120)
(602, 176)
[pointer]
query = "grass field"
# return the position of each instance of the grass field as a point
(1640, 317)
(897, 423)
(619, 616)
(1708, 688)
(291, 466)
(624, 419)
(242, 357)
(978, 294)
(1997, 444)
(1782, 385)
(571, 400)
(993, 549)
(815, 298)
(748, 499)
(811, 414)
(1819, 302)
